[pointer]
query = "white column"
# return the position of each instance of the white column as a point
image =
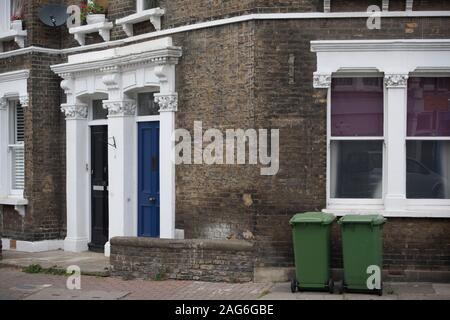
(121, 148)
(395, 133)
(77, 175)
(167, 98)
(168, 103)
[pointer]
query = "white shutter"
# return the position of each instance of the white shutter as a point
(5, 15)
(18, 178)
(17, 149)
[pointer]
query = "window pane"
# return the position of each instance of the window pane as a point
(147, 105)
(428, 169)
(357, 107)
(429, 107)
(150, 4)
(19, 124)
(98, 112)
(356, 169)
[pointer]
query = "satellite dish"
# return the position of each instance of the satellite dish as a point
(53, 15)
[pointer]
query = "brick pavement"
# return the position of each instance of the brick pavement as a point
(15, 284)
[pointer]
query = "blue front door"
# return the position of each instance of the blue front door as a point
(148, 176)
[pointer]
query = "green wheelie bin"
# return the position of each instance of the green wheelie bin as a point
(362, 250)
(311, 237)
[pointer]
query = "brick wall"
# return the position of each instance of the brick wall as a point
(44, 154)
(200, 260)
(300, 113)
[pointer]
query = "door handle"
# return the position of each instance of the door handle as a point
(152, 199)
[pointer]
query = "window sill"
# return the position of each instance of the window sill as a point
(17, 35)
(154, 15)
(19, 203)
(103, 29)
(13, 201)
(428, 212)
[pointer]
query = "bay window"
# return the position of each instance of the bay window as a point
(365, 161)
(388, 125)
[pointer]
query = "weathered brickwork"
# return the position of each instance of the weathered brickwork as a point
(200, 260)
(299, 111)
(44, 154)
(232, 76)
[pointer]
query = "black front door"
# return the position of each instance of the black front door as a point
(99, 187)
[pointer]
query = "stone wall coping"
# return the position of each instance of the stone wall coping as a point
(207, 244)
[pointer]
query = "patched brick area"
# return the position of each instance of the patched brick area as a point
(203, 260)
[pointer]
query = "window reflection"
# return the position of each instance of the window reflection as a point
(428, 107)
(428, 169)
(357, 107)
(357, 169)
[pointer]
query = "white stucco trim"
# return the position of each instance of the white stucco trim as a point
(33, 246)
(396, 60)
(226, 21)
(119, 74)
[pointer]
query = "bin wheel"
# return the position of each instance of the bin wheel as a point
(342, 288)
(331, 286)
(380, 291)
(294, 286)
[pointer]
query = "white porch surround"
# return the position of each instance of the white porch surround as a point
(119, 73)
(397, 60)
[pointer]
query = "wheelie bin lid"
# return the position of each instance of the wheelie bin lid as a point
(312, 217)
(373, 219)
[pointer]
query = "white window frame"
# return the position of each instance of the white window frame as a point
(5, 15)
(361, 58)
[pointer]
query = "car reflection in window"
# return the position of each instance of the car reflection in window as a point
(423, 183)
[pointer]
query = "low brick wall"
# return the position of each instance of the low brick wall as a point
(202, 260)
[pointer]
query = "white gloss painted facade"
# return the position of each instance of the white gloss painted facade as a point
(397, 60)
(119, 73)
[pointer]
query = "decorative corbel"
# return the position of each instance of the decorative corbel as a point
(120, 108)
(396, 80)
(167, 102)
(322, 80)
(75, 112)
(24, 101)
(160, 72)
